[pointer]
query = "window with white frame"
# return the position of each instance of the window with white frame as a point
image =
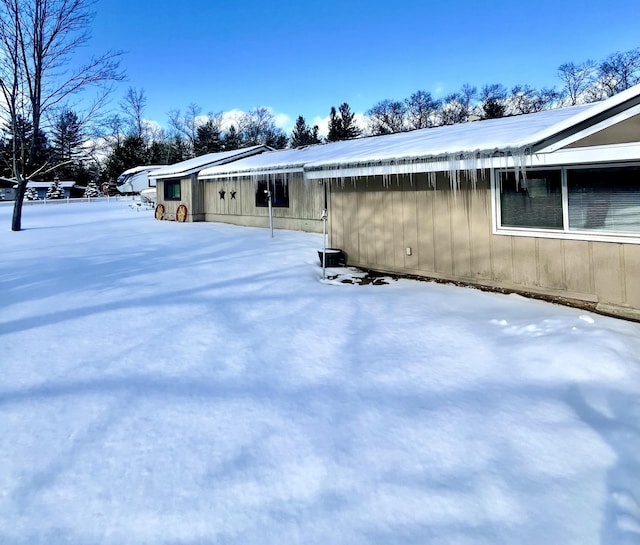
(601, 200)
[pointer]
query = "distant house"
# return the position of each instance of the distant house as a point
(42, 187)
(7, 191)
(178, 184)
(546, 203)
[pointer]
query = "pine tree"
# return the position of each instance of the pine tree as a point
(55, 191)
(208, 139)
(335, 126)
(232, 140)
(67, 140)
(302, 135)
(31, 194)
(342, 125)
(91, 191)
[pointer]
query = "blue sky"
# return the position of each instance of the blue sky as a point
(301, 58)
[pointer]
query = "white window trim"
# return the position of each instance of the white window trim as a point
(565, 234)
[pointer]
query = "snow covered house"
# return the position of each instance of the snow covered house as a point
(41, 188)
(178, 184)
(545, 203)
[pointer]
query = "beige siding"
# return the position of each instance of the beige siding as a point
(306, 201)
(170, 207)
(450, 235)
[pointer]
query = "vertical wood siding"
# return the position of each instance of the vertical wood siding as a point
(450, 236)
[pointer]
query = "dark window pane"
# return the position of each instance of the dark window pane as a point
(172, 190)
(279, 193)
(535, 202)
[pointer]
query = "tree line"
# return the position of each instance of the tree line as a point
(191, 133)
(45, 135)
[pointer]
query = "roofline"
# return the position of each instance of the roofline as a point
(236, 157)
(256, 171)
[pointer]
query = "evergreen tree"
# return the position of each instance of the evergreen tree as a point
(23, 135)
(131, 152)
(209, 138)
(232, 140)
(55, 191)
(67, 140)
(179, 150)
(92, 190)
(276, 139)
(342, 125)
(31, 194)
(302, 135)
(335, 126)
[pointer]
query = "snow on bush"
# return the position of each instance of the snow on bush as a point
(55, 191)
(92, 190)
(31, 194)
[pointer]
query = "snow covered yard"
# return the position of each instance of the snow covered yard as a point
(166, 383)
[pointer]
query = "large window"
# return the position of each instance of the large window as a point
(279, 193)
(172, 190)
(596, 200)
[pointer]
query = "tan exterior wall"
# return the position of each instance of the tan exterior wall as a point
(306, 201)
(450, 237)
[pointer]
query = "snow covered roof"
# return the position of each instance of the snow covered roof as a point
(289, 160)
(45, 185)
(190, 166)
(513, 135)
(142, 168)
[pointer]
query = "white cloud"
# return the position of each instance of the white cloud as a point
(283, 121)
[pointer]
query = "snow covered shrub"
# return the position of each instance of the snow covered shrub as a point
(92, 190)
(31, 194)
(55, 191)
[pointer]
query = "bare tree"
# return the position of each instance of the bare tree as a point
(525, 99)
(421, 110)
(458, 107)
(258, 126)
(387, 116)
(38, 39)
(618, 72)
(132, 106)
(186, 125)
(493, 100)
(577, 79)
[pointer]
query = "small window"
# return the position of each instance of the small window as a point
(172, 190)
(534, 202)
(279, 193)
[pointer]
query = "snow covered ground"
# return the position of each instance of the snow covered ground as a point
(166, 383)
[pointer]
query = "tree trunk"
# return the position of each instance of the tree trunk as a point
(16, 222)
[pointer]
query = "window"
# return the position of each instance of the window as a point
(602, 200)
(279, 193)
(172, 190)
(535, 202)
